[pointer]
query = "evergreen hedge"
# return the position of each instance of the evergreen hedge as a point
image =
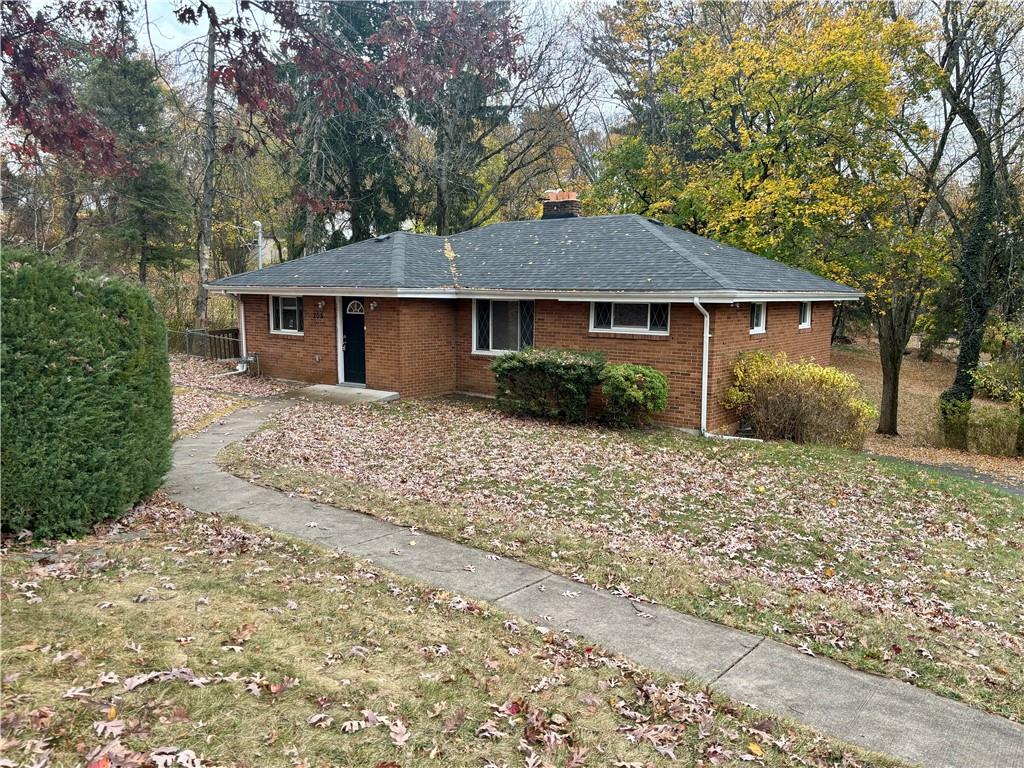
(86, 397)
(550, 383)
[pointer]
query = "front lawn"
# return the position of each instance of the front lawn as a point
(180, 639)
(887, 569)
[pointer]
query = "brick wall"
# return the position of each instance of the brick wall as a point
(409, 346)
(383, 344)
(309, 357)
(423, 347)
(730, 337)
(472, 372)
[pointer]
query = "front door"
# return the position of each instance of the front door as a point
(353, 340)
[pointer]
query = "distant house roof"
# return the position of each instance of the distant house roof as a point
(619, 256)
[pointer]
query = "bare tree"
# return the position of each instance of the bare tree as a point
(976, 145)
(209, 158)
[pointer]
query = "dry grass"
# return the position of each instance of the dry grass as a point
(884, 567)
(179, 638)
(921, 383)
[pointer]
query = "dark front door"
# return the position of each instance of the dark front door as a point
(353, 340)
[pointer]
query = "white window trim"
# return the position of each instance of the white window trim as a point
(810, 314)
(490, 331)
(631, 330)
(270, 315)
(763, 327)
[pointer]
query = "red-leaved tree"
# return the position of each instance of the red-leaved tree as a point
(43, 113)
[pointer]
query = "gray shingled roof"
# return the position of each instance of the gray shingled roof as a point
(626, 253)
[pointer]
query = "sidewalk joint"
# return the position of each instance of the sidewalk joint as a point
(746, 653)
(520, 589)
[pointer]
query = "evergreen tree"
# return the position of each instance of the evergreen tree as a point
(147, 205)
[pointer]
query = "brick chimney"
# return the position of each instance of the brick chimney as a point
(561, 205)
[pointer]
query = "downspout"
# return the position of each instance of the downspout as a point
(243, 361)
(704, 366)
(243, 351)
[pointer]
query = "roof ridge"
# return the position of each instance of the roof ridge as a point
(397, 258)
(711, 272)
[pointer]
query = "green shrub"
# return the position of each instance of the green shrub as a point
(969, 426)
(803, 402)
(954, 423)
(551, 383)
(993, 430)
(999, 380)
(632, 393)
(86, 397)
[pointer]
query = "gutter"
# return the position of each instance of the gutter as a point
(704, 367)
(707, 297)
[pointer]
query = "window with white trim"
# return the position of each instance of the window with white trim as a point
(502, 326)
(805, 314)
(758, 317)
(286, 314)
(616, 317)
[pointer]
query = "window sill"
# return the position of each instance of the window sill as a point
(804, 327)
(759, 332)
(490, 352)
(288, 333)
(629, 332)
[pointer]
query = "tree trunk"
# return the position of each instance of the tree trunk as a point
(838, 322)
(443, 188)
(1018, 448)
(891, 354)
(971, 266)
(143, 265)
(72, 203)
(313, 226)
(206, 204)
(895, 324)
(359, 216)
(887, 418)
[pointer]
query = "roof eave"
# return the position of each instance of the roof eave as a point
(709, 297)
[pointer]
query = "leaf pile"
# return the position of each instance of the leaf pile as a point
(201, 373)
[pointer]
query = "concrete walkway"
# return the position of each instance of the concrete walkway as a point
(960, 471)
(873, 712)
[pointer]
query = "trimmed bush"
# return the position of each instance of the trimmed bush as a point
(803, 402)
(550, 383)
(86, 397)
(632, 393)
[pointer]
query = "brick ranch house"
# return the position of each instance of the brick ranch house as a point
(425, 315)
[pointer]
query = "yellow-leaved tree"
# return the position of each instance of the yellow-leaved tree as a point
(775, 133)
